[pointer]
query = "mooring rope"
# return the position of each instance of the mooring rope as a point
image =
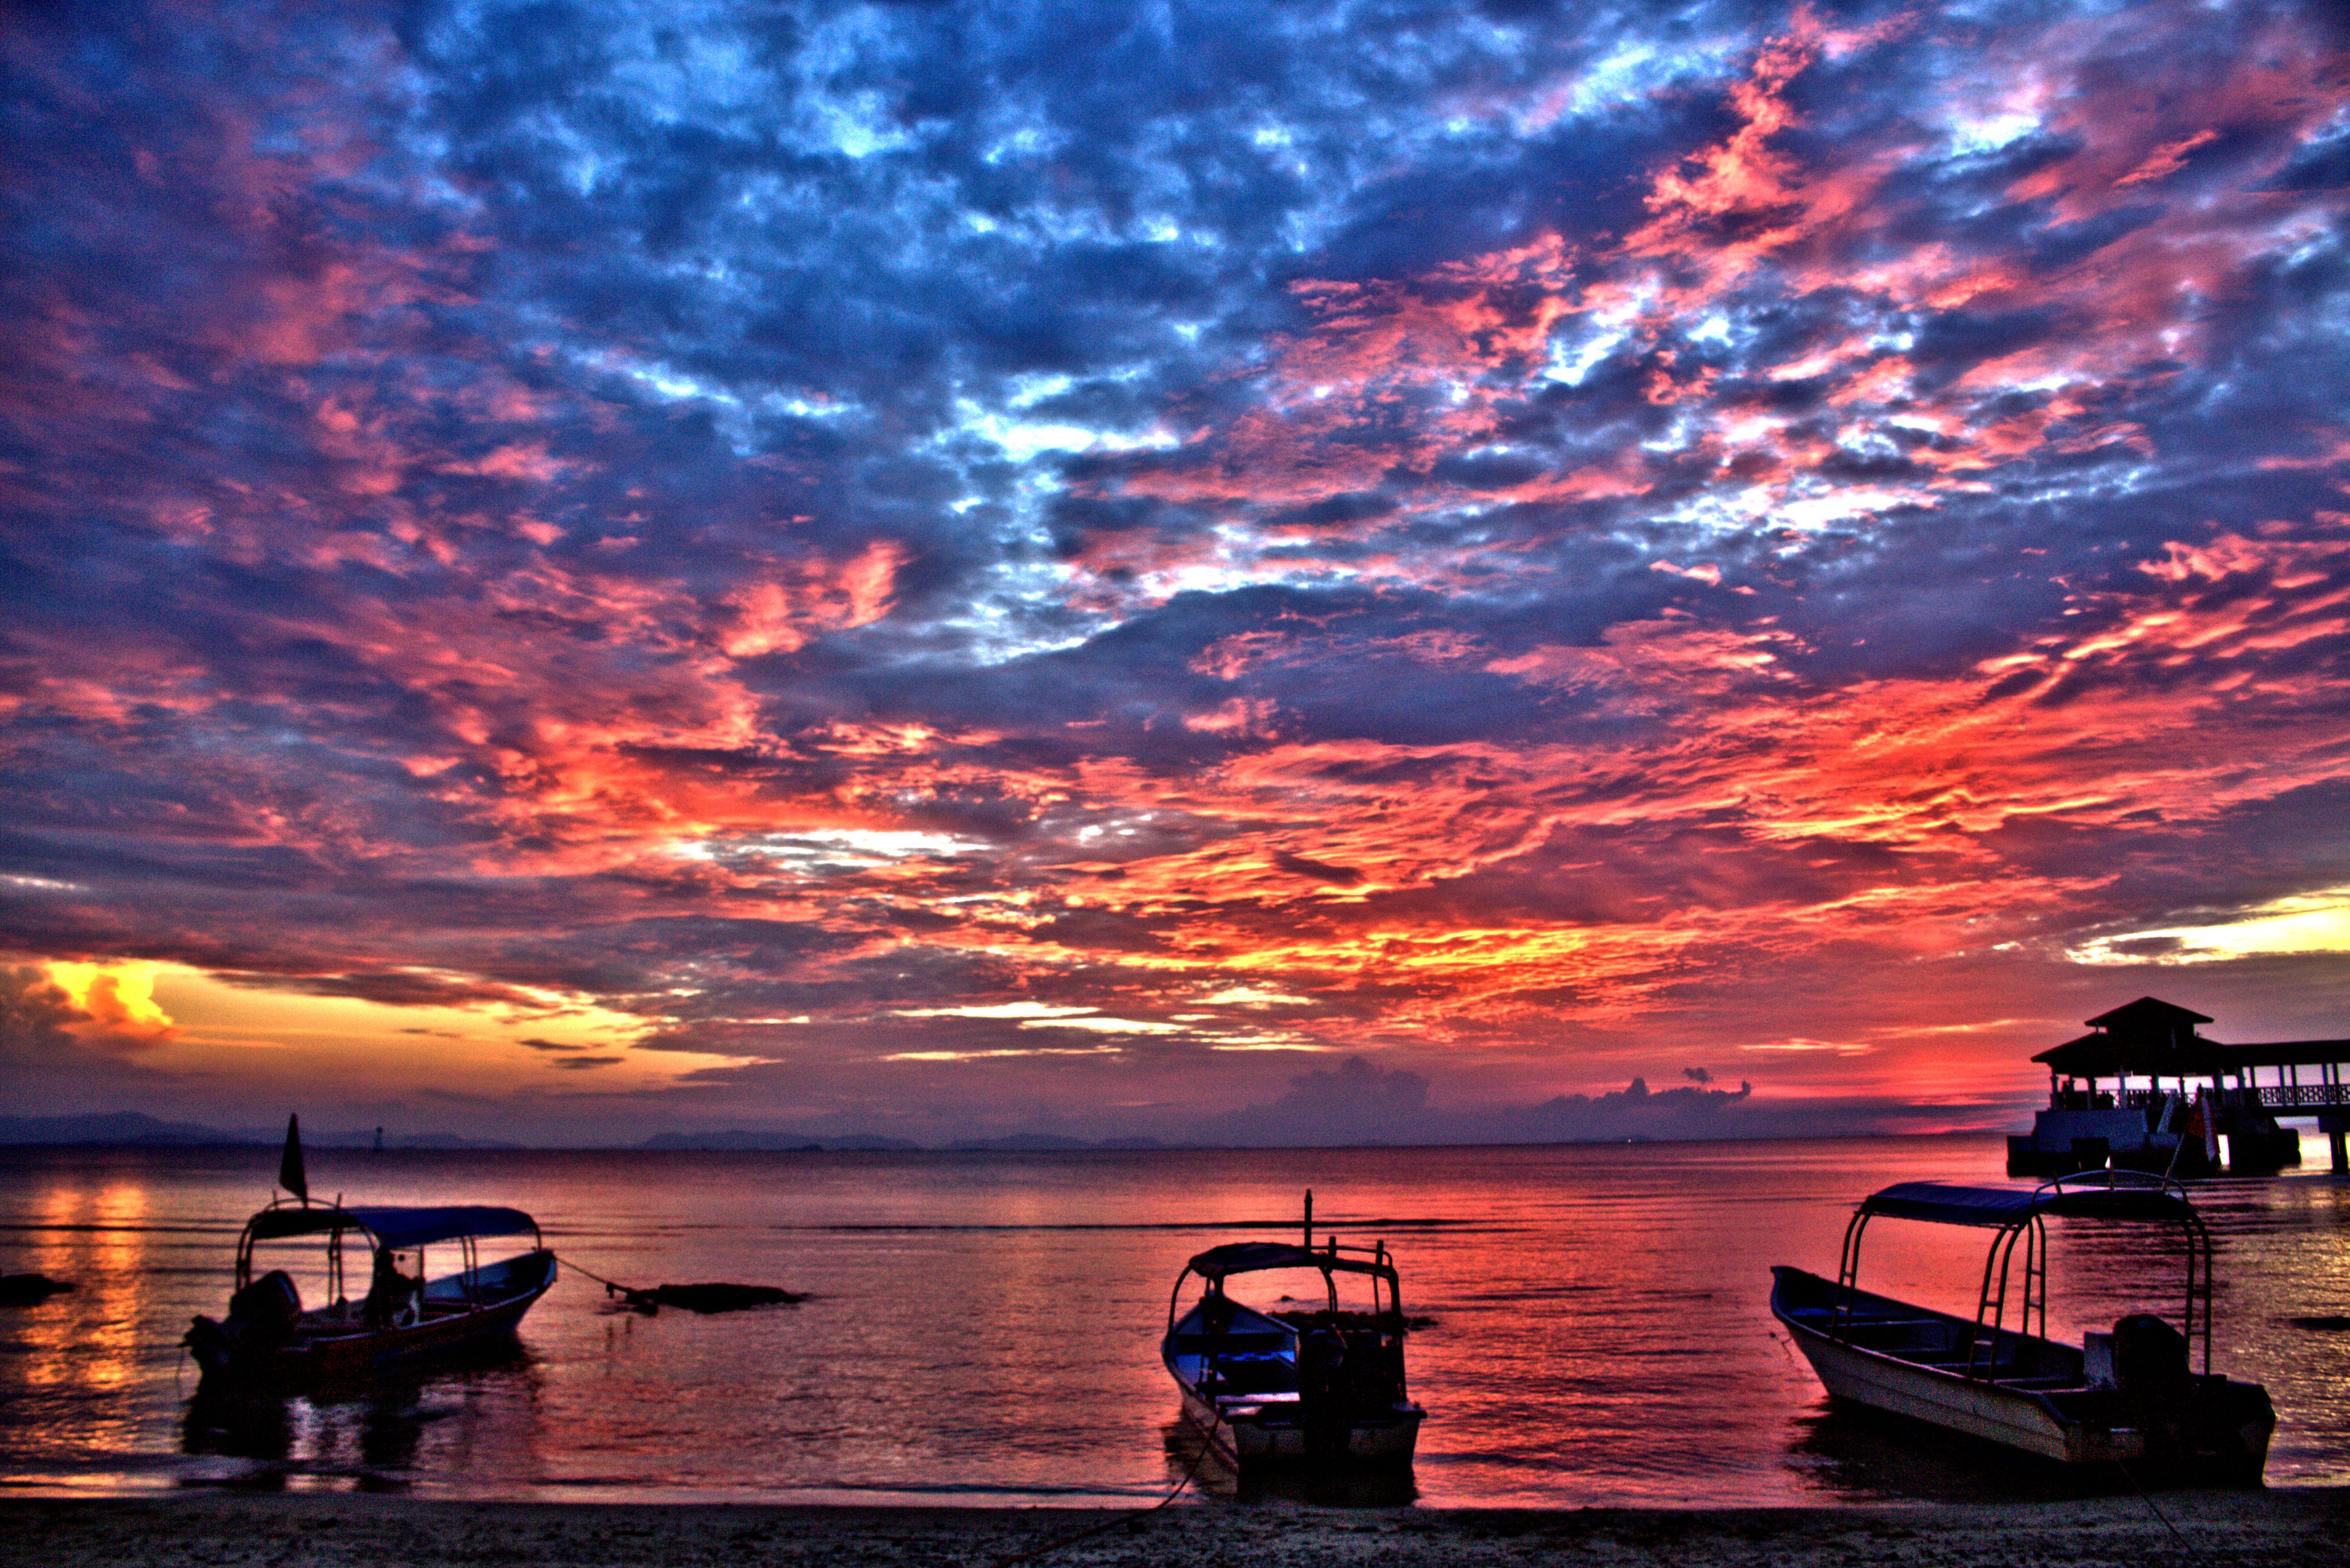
(710, 1296)
(1033, 1553)
(2148, 1498)
(609, 1286)
(1134, 1517)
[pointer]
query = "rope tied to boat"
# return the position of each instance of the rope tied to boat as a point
(1131, 1519)
(713, 1296)
(2148, 1498)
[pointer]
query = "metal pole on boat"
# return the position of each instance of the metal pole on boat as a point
(1309, 1218)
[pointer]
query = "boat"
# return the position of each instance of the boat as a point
(1298, 1382)
(2123, 1398)
(269, 1339)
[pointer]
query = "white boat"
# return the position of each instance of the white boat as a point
(1294, 1380)
(2124, 1398)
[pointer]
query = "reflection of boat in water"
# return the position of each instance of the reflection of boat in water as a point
(385, 1432)
(268, 1338)
(1298, 1382)
(2126, 1396)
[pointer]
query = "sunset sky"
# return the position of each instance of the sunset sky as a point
(572, 571)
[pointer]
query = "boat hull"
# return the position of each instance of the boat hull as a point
(322, 1352)
(2222, 1439)
(1252, 1434)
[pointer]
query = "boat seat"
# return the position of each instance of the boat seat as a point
(1243, 1342)
(1253, 1374)
(1907, 1340)
(1898, 1322)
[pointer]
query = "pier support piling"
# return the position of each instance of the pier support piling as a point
(2336, 1127)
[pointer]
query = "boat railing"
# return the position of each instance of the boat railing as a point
(1991, 1310)
(1372, 1262)
(341, 1222)
(1990, 1332)
(333, 1287)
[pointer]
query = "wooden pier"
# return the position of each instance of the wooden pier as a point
(2174, 1095)
(2328, 1098)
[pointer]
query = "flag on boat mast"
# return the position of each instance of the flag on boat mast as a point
(289, 1165)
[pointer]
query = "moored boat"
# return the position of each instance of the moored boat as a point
(268, 1338)
(1290, 1381)
(2124, 1398)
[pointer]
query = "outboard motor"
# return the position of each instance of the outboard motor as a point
(260, 1317)
(1325, 1409)
(2150, 1364)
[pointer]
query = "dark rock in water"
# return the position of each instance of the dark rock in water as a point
(710, 1298)
(2319, 1323)
(29, 1290)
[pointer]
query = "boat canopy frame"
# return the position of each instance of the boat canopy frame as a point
(387, 1227)
(2016, 1214)
(1219, 1263)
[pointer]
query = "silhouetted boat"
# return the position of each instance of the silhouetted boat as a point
(269, 1339)
(1294, 1382)
(2126, 1397)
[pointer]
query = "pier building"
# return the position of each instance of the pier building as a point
(2146, 1090)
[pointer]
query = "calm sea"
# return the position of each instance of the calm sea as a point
(982, 1328)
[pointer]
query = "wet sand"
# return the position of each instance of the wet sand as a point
(2298, 1527)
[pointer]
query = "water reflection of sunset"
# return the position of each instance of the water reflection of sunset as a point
(94, 1238)
(986, 1327)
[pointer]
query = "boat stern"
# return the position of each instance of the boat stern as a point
(1257, 1432)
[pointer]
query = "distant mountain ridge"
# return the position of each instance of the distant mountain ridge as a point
(744, 1141)
(136, 1129)
(133, 1127)
(1049, 1143)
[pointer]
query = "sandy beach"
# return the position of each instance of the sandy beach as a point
(2299, 1527)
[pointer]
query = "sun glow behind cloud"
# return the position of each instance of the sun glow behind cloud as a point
(2316, 923)
(118, 999)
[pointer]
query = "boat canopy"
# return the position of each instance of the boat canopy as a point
(1949, 1203)
(2018, 1214)
(398, 1228)
(1254, 1257)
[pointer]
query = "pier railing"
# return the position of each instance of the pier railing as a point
(2270, 1097)
(2305, 1096)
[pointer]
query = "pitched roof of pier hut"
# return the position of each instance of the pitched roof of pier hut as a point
(2147, 1038)
(2149, 1015)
